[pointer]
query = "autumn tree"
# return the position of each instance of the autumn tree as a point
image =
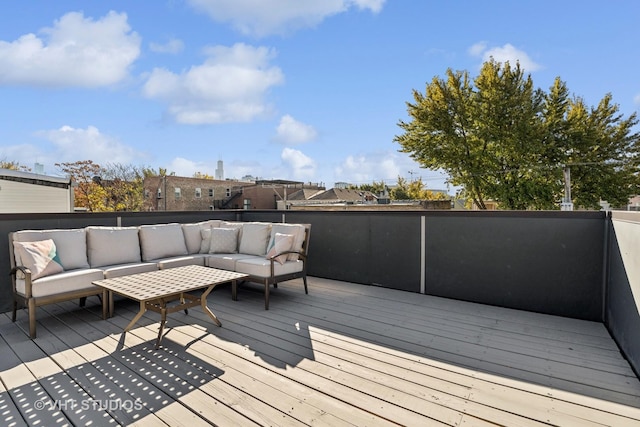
(88, 192)
(13, 165)
(147, 171)
(123, 184)
(500, 138)
(200, 175)
(115, 187)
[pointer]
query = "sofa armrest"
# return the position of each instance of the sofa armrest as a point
(301, 255)
(27, 279)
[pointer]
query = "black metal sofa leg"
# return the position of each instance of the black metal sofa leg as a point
(266, 296)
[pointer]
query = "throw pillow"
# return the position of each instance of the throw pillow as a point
(281, 243)
(298, 232)
(224, 241)
(39, 257)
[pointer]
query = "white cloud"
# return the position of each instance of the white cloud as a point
(185, 167)
(76, 51)
(477, 49)
(302, 167)
(366, 168)
(636, 99)
(291, 131)
(503, 54)
(386, 166)
(264, 17)
(71, 144)
(230, 86)
(173, 46)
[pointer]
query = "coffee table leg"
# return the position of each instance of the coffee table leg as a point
(143, 308)
(163, 317)
(105, 303)
(186, 310)
(203, 302)
(234, 290)
(110, 304)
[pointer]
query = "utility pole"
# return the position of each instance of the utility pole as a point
(567, 204)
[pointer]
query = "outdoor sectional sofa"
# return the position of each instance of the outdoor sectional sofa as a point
(49, 266)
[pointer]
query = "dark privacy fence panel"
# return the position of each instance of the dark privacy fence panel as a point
(549, 262)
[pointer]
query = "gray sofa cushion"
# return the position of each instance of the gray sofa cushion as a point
(261, 267)
(225, 261)
(161, 241)
(193, 259)
(111, 271)
(71, 245)
(67, 281)
(112, 245)
(254, 239)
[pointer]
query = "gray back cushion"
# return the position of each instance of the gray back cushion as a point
(162, 241)
(112, 245)
(71, 245)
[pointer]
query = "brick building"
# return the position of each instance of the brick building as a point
(175, 193)
(271, 194)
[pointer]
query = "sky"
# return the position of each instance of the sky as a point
(304, 90)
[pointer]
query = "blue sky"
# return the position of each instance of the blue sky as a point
(278, 89)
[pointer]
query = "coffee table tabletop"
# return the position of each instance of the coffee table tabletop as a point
(155, 289)
(165, 283)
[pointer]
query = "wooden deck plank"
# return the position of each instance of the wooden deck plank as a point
(472, 354)
(176, 380)
(567, 366)
(554, 385)
(224, 339)
(530, 329)
(413, 368)
(53, 394)
(343, 355)
(356, 370)
(289, 403)
(466, 312)
(92, 368)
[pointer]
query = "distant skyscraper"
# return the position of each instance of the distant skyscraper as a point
(38, 168)
(220, 171)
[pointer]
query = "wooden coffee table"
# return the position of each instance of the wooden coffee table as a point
(154, 290)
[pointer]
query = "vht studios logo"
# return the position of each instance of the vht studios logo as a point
(89, 405)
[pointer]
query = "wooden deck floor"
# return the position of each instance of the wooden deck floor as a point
(343, 355)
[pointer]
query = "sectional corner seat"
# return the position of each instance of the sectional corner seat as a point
(55, 265)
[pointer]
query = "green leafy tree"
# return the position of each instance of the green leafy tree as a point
(401, 190)
(500, 138)
(414, 190)
(375, 187)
